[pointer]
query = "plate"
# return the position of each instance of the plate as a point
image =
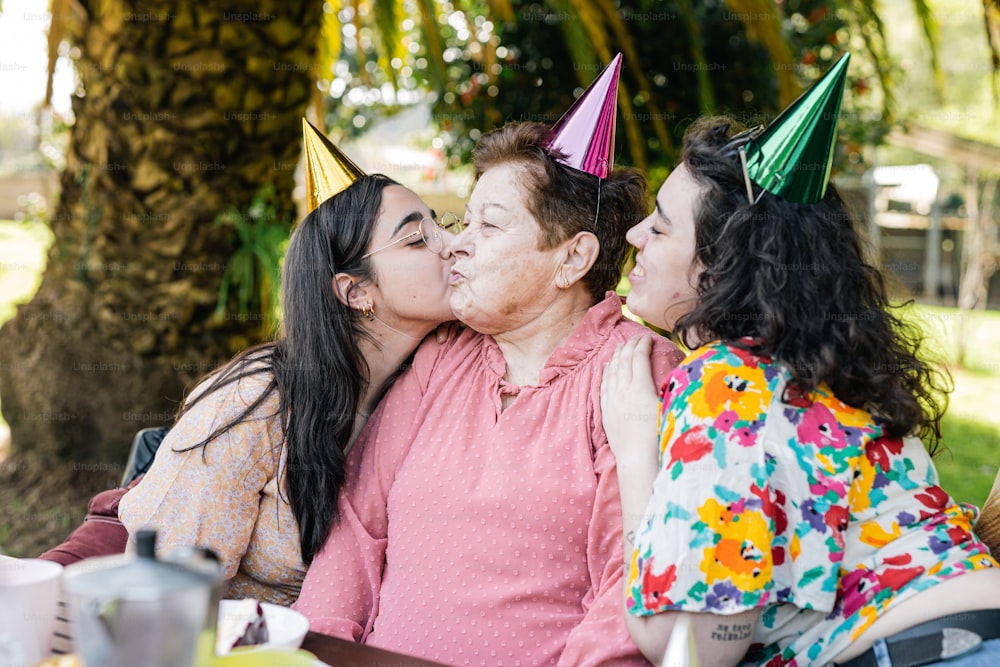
(286, 628)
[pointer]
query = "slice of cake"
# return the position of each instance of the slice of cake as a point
(241, 624)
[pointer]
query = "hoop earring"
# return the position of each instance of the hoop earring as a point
(368, 310)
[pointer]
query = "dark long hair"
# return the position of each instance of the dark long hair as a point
(315, 364)
(793, 277)
(564, 200)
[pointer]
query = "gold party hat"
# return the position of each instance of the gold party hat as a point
(328, 170)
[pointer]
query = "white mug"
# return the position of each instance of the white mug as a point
(29, 595)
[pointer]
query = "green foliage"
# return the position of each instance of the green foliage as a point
(482, 64)
(968, 465)
(538, 77)
(971, 427)
(253, 272)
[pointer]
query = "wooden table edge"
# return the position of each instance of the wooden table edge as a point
(342, 653)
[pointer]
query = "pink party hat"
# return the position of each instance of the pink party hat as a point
(586, 133)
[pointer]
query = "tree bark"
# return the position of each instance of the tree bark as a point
(183, 110)
(979, 260)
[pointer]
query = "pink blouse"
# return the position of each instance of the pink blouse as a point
(497, 533)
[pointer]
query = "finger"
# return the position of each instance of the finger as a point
(627, 356)
(641, 366)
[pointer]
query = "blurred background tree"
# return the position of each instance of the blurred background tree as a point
(481, 63)
(183, 111)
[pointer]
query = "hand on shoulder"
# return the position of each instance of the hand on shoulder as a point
(629, 403)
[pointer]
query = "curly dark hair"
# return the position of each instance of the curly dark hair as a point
(793, 278)
(564, 200)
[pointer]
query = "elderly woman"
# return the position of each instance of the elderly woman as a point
(487, 495)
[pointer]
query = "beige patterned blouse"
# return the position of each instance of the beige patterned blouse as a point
(226, 495)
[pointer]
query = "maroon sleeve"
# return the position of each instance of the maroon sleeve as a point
(100, 534)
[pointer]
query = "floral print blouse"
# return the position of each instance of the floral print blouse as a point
(791, 502)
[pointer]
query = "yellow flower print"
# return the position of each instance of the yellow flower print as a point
(743, 390)
(743, 554)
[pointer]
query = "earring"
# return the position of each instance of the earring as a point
(368, 310)
(564, 282)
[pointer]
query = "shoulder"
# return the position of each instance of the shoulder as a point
(229, 395)
(727, 355)
(722, 375)
(665, 355)
(242, 411)
(461, 345)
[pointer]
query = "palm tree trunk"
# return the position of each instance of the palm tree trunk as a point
(184, 109)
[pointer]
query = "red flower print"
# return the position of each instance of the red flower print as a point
(766, 505)
(880, 451)
(958, 535)
(655, 587)
(896, 578)
(796, 396)
(691, 446)
(934, 498)
(836, 517)
(780, 518)
(901, 559)
(750, 360)
(778, 555)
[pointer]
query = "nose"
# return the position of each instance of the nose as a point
(457, 244)
(445, 239)
(636, 236)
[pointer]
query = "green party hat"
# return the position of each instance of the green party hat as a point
(792, 157)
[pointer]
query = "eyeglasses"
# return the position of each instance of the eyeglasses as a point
(429, 231)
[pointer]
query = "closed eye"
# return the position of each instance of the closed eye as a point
(662, 216)
(472, 222)
(416, 242)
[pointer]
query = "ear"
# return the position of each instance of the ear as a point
(351, 291)
(581, 253)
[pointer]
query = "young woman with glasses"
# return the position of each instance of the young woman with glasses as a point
(254, 464)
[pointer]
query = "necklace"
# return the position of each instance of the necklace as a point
(392, 328)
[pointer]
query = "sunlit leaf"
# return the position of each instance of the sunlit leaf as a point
(585, 51)
(387, 28)
(634, 67)
(991, 16)
(433, 42)
(929, 26)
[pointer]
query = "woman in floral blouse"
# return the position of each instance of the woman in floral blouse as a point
(788, 501)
